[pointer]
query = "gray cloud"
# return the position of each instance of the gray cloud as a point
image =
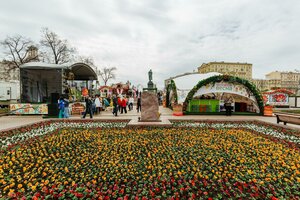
(170, 37)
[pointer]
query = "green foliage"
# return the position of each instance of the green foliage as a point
(171, 87)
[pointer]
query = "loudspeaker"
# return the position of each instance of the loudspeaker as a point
(54, 97)
(53, 109)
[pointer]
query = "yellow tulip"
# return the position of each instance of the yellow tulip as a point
(33, 188)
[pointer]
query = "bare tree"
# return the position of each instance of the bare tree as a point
(59, 50)
(107, 73)
(17, 50)
(16, 53)
(86, 59)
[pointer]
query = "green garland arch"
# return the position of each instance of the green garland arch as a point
(230, 79)
(171, 87)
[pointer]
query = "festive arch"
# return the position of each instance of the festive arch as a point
(231, 79)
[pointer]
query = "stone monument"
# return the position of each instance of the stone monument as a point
(150, 110)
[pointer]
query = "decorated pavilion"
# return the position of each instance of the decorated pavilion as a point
(207, 94)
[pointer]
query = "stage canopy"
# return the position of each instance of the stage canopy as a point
(39, 80)
(81, 71)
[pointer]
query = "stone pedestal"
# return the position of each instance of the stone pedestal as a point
(150, 84)
(150, 110)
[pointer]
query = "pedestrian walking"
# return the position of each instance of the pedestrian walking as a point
(115, 105)
(120, 103)
(139, 104)
(130, 103)
(98, 104)
(105, 103)
(66, 109)
(228, 106)
(88, 107)
(108, 100)
(61, 107)
(124, 105)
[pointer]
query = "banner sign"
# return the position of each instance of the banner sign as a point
(225, 87)
(28, 109)
(276, 99)
(77, 108)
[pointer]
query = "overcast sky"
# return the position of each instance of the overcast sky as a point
(168, 36)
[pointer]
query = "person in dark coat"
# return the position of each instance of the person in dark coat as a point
(88, 107)
(138, 104)
(115, 105)
(228, 106)
(119, 103)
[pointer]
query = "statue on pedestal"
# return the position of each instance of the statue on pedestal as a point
(150, 109)
(150, 83)
(150, 75)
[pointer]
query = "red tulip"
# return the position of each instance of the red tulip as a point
(115, 187)
(35, 198)
(121, 191)
(79, 195)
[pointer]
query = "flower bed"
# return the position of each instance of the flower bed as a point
(192, 160)
(288, 135)
(10, 137)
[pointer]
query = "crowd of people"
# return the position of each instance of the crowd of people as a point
(120, 104)
(95, 105)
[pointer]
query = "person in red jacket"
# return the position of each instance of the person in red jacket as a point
(124, 105)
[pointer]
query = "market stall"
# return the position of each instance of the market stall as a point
(106, 91)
